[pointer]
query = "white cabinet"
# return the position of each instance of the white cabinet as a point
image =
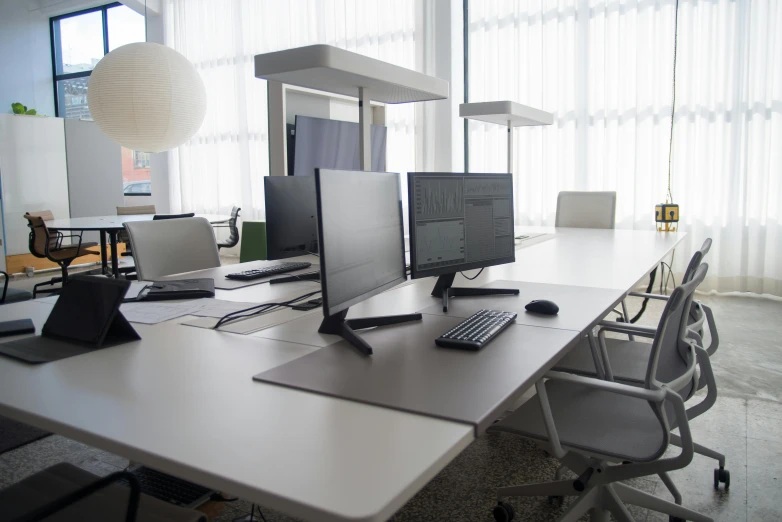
(33, 174)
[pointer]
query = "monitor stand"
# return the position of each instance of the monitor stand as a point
(444, 289)
(346, 328)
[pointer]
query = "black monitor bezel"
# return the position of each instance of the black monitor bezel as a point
(330, 311)
(452, 269)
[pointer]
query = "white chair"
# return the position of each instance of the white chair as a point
(586, 209)
(172, 246)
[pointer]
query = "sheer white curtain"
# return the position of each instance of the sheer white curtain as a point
(225, 162)
(604, 68)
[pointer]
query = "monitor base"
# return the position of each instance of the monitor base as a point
(444, 290)
(346, 328)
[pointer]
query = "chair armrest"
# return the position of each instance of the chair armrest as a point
(644, 295)
(715, 336)
(613, 387)
(5, 285)
(61, 503)
(642, 331)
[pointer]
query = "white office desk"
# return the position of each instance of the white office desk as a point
(182, 400)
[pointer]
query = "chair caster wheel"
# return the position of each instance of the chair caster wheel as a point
(721, 475)
(555, 501)
(503, 512)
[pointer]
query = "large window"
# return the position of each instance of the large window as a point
(79, 41)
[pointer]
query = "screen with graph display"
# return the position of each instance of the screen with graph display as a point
(459, 221)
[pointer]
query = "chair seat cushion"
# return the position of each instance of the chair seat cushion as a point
(594, 421)
(107, 504)
(629, 360)
(16, 295)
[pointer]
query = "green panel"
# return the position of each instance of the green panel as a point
(253, 241)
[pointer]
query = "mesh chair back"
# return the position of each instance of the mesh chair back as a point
(586, 209)
(668, 360)
(233, 230)
(39, 233)
(139, 209)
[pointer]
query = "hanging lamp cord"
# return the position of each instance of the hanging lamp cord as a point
(669, 195)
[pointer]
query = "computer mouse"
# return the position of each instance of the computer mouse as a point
(541, 306)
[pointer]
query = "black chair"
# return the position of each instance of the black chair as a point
(13, 295)
(233, 238)
(65, 493)
(48, 244)
(158, 217)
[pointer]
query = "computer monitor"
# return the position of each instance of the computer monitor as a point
(291, 216)
(333, 144)
(459, 222)
(361, 246)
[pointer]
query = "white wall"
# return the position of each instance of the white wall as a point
(25, 58)
(33, 173)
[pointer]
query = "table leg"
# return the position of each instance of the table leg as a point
(103, 257)
(114, 260)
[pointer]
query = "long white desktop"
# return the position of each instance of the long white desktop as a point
(182, 400)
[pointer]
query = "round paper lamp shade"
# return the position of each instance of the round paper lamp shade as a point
(146, 97)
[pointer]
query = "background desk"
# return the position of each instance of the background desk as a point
(172, 401)
(111, 225)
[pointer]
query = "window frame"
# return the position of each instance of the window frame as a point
(56, 46)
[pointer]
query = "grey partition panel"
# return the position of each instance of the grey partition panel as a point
(409, 372)
(94, 172)
(580, 307)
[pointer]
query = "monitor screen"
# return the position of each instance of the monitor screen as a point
(291, 221)
(333, 144)
(459, 221)
(361, 238)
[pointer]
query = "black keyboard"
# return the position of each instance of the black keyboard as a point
(257, 273)
(171, 489)
(476, 331)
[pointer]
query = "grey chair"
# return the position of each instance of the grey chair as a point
(172, 246)
(65, 493)
(586, 209)
(607, 432)
(625, 361)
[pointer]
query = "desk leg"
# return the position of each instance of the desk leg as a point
(103, 258)
(114, 260)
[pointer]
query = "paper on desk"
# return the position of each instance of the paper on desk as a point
(254, 323)
(153, 312)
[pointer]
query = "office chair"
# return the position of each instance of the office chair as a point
(607, 432)
(13, 295)
(158, 217)
(625, 361)
(586, 209)
(233, 238)
(65, 493)
(172, 246)
(44, 243)
(122, 236)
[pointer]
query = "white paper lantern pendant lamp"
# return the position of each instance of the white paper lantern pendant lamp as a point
(147, 97)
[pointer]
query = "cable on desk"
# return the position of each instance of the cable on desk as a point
(260, 309)
(649, 289)
(473, 277)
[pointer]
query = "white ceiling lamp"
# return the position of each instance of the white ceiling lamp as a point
(146, 97)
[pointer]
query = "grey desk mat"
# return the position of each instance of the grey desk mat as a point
(580, 307)
(219, 273)
(409, 372)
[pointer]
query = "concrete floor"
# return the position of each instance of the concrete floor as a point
(745, 424)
